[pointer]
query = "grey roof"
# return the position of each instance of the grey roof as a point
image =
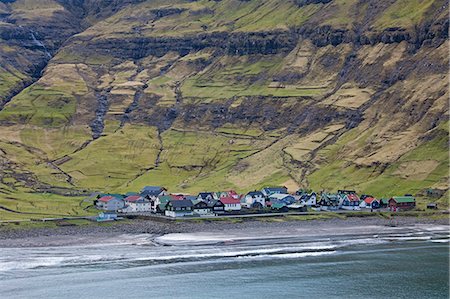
(199, 203)
(214, 202)
(152, 190)
(274, 189)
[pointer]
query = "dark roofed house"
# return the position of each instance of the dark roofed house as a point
(402, 203)
(153, 191)
(201, 208)
(179, 208)
(217, 206)
(206, 196)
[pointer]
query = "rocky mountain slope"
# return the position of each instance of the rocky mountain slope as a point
(100, 95)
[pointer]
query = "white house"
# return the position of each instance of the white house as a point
(231, 204)
(254, 199)
(110, 203)
(309, 199)
(179, 208)
(201, 208)
(136, 203)
(370, 202)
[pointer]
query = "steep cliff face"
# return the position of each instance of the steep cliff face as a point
(199, 95)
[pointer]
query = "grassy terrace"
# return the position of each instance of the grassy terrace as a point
(243, 76)
(36, 206)
(50, 102)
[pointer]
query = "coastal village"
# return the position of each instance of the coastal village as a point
(156, 200)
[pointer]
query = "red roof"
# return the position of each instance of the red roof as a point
(132, 198)
(177, 196)
(228, 200)
(369, 200)
(353, 197)
(232, 193)
(106, 198)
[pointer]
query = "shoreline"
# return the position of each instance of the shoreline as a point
(116, 232)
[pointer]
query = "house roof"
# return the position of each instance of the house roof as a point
(197, 203)
(403, 199)
(329, 196)
(369, 200)
(213, 202)
(165, 198)
(152, 190)
(279, 196)
(184, 203)
(177, 196)
(255, 193)
(133, 198)
(228, 200)
(352, 197)
(278, 205)
(347, 191)
(204, 195)
(107, 198)
(275, 189)
(120, 196)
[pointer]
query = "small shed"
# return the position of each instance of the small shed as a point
(432, 206)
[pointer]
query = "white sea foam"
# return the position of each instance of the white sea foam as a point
(288, 255)
(30, 263)
(407, 238)
(440, 241)
(238, 253)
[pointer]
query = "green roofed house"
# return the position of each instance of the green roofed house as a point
(280, 207)
(402, 203)
(158, 204)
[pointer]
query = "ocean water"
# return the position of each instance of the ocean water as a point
(376, 262)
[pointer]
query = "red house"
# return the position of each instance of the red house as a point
(401, 203)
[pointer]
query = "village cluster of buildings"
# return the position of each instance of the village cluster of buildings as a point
(157, 200)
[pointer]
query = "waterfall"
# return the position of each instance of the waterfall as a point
(40, 44)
